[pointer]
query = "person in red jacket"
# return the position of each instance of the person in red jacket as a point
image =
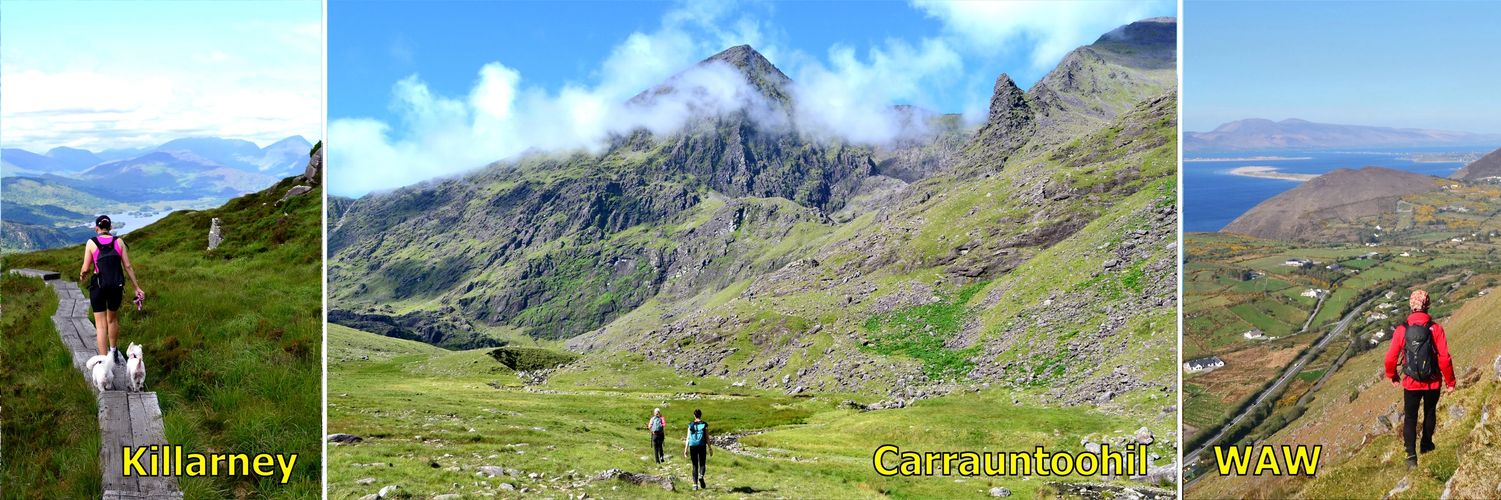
(1417, 391)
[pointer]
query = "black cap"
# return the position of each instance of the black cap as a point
(102, 222)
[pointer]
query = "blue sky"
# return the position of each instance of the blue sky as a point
(1400, 64)
(437, 88)
(102, 75)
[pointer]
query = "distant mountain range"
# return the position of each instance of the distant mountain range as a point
(50, 197)
(1261, 134)
(280, 159)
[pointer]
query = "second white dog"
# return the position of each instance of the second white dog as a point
(135, 367)
(102, 369)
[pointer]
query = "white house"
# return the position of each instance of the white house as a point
(1253, 334)
(1203, 364)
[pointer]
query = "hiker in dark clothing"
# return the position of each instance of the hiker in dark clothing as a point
(1421, 351)
(658, 427)
(105, 254)
(696, 447)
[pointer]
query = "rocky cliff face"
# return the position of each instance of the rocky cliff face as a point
(1042, 239)
(1345, 195)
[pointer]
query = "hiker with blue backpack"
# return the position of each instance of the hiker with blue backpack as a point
(696, 447)
(1421, 351)
(105, 254)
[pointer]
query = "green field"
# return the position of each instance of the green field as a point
(430, 431)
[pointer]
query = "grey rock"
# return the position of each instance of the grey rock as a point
(294, 192)
(1144, 436)
(215, 234)
(1000, 492)
(366, 481)
(388, 491)
(344, 438)
(314, 171)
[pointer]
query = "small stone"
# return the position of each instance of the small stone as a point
(507, 487)
(366, 481)
(388, 491)
(1000, 492)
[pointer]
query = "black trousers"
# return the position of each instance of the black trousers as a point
(699, 455)
(1410, 401)
(656, 445)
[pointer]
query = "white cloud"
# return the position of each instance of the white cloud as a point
(246, 73)
(845, 95)
(852, 99)
(1047, 29)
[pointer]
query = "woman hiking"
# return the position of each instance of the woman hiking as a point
(658, 427)
(696, 447)
(1421, 351)
(105, 253)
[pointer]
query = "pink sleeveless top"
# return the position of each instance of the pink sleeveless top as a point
(108, 240)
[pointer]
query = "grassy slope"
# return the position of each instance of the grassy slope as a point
(232, 337)
(1343, 413)
(49, 410)
(430, 433)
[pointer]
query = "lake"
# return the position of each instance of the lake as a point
(1212, 197)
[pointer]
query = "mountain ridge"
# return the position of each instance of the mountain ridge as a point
(1345, 194)
(1292, 133)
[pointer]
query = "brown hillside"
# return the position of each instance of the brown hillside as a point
(1345, 195)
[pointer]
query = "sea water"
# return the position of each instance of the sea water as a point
(1212, 196)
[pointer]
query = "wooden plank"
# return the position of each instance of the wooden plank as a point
(37, 273)
(86, 334)
(146, 425)
(79, 359)
(114, 430)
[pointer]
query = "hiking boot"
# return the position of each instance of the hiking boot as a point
(1427, 447)
(119, 358)
(1412, 462)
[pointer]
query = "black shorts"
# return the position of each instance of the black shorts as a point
(106, 298)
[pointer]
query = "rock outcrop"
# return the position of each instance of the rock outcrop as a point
(215, 234)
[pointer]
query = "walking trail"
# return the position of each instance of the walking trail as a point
(126, 419)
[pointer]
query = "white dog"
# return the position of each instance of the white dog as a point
(102, 367)
(135, 367)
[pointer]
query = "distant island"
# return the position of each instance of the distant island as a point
(1266, 172)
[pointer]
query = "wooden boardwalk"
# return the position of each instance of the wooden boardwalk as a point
(131, 419)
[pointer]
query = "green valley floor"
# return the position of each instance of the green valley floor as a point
(434, 422)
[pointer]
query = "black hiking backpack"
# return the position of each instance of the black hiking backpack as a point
(1419, 355)
(109, 269)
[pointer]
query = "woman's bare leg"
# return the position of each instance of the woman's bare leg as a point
(114, 327)
(101, 331)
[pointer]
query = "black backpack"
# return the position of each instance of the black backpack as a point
(1420, 357)
(109, 270)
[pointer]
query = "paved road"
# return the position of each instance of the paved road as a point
(1291, 371)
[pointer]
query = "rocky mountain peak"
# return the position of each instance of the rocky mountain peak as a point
(758, 71)
(1152, 31)
(1011, 118)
